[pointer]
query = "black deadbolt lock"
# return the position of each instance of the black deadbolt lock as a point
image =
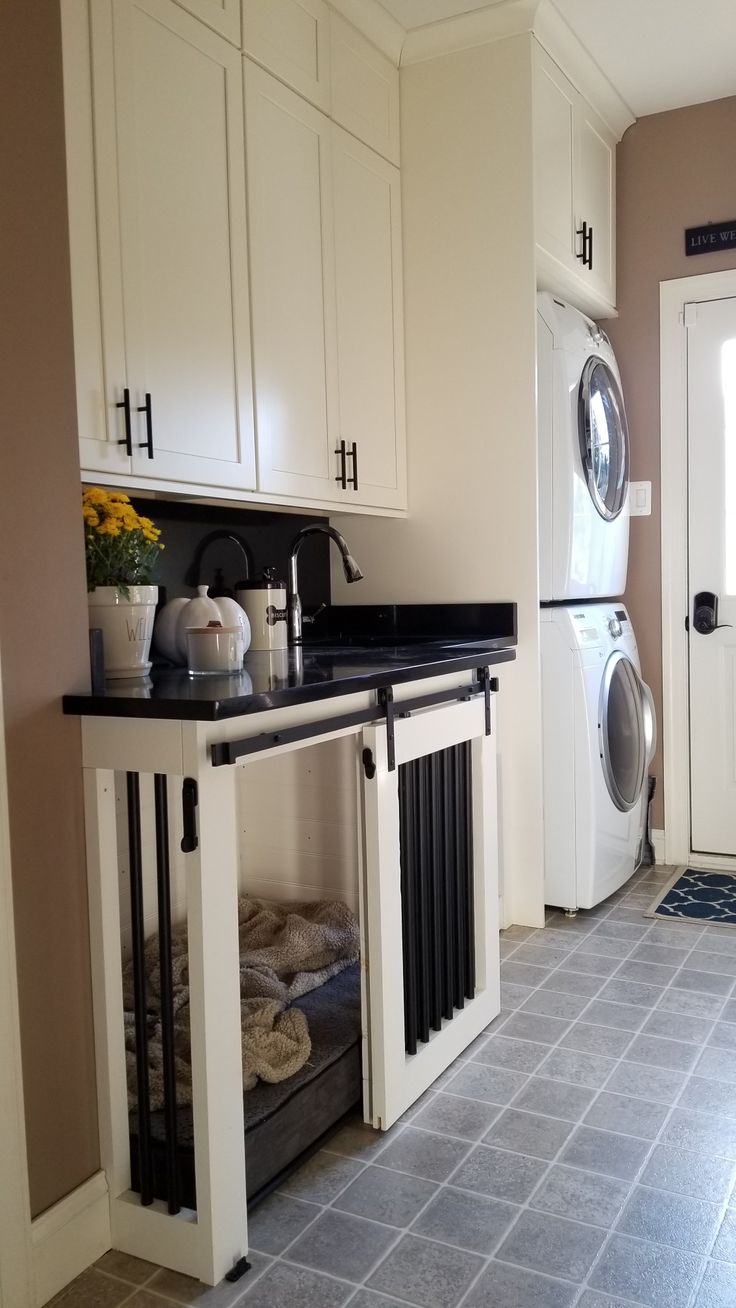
(705, 613)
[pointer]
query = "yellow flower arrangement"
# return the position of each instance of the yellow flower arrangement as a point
(121, 546)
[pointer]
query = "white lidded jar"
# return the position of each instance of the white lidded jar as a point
(172, 623)
(264, 602)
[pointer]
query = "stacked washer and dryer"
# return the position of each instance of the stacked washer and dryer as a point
(598, 714)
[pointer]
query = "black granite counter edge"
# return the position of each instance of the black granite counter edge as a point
(182, 709)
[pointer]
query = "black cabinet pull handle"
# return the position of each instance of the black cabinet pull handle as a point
(342, 476)
(147, 444)
(124, 404)
(353, 454)
(189, 803)
(590, 248)
(583, 255)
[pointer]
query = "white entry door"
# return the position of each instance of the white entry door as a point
(711, 369)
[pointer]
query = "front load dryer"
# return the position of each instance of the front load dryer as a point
(583, 458)
(598, 741)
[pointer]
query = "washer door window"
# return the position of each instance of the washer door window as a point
(625, 732)
(603, 438)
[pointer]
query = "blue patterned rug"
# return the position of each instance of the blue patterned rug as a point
(694, 895)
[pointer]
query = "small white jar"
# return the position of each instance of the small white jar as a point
(214, 649)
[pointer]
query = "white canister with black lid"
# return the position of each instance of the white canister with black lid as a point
(264, 601)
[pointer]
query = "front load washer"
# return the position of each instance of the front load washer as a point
(598, 741)
(583, 458)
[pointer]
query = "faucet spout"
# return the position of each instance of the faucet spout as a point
(350, 568)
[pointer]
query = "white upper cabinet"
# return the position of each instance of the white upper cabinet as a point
(171, 215)
(164, 244)
(325, 243)
(222, 16)
(574, 178)
(292, 39)
(314, 51)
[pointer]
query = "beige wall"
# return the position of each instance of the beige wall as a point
(43, 608)
(675, 170)
(469, 304)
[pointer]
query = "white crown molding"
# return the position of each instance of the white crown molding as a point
(512, 18)
(562, 45)
(375, 23)
(478, 27)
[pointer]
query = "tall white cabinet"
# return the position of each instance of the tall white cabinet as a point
(162, 253)
(170, 192)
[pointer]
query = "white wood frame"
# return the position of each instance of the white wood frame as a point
(674, 295)
(398, 1078)
(207, 1243)
(69, 1236)
(15, 1208)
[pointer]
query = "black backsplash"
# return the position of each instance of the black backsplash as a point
(269, 536)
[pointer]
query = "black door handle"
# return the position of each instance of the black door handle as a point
(705, 613)
(353, 454)
(586, 254)
(147, 444)
(124, 404)
(342, 476)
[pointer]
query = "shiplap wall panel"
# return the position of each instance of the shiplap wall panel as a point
(299, 825)
(299, 832)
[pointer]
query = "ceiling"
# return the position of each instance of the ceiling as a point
(658, 54)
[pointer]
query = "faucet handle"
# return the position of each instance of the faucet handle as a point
(312, 617)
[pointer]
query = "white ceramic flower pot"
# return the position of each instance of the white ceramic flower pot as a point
(127, 627)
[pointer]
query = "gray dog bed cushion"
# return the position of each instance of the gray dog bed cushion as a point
(281, 1121)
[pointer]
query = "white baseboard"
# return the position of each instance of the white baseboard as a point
(658, 843)
(68, 1237)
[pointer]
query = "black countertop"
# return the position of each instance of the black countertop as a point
(361, 649)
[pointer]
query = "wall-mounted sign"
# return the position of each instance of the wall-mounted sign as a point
(710, 239)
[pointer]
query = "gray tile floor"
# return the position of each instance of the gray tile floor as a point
(580, 1154)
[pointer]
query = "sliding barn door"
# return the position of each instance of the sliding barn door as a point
(430, 898)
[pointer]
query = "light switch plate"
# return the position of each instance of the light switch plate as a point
(640, 499)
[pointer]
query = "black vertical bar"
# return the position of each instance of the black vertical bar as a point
(458, 966)
(422, 907)
(448, 910)
(161, 805)
(460, 864)
(406, 853)
(145, 1171)
(469, 871)
(434, 819)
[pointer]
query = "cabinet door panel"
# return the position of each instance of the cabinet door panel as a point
(366, 191)
(554, 158)
(595, 196)
(292, 288)
(291, 38)
(180, 272)
(431, 894)
(101, 425)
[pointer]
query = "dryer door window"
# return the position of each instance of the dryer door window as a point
(603, 438)
(624, 737)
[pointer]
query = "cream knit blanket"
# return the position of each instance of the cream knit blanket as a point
(286, 950)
